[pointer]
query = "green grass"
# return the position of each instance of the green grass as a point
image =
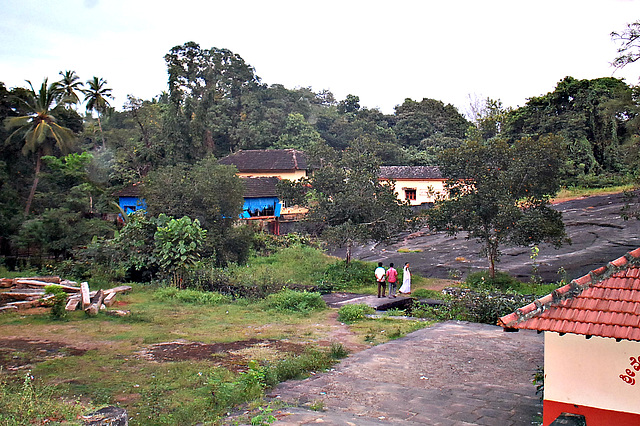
(575, 192)
(112, 371)
(299, 265)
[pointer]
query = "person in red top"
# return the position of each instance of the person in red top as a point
(392, 279)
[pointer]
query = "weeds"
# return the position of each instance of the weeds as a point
(30, 402)
(288, 301)
(190, 296)
(355, 312)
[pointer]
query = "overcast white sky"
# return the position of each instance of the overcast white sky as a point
(381, 51)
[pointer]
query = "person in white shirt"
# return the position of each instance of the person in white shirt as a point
(380, 279)
(406, 280)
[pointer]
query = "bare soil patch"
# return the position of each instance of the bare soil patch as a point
(233, 355)
(18, 353)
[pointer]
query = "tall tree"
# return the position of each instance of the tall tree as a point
(68, 87)
(96, 95)
(207, 191)
(208, 88)
(591, 115)
(39, 129)
(499, 194)
(629, 49)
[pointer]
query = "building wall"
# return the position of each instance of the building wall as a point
(585, 376)
(132, 204)
(422, 187)
(282, 174)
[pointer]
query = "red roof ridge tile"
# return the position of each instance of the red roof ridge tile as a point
(569, 291)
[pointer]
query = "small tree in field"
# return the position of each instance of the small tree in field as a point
(500, 194)
(178, 245)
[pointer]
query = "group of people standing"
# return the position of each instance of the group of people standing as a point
(390, 276)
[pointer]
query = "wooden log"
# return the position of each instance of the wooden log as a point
(6, 282)
(72, 303)
(30, 303)
(109, 298)
(86, 298)
(41, 284)
(14, 295)
(51, 279)
(96, 303)
(119, 289)
(7, 308)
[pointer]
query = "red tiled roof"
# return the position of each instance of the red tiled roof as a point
(266, 159)
(605, 303)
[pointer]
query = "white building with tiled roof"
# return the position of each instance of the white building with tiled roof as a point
(415, 184)
(591, 344)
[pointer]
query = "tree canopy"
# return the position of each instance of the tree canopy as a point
(499, 194)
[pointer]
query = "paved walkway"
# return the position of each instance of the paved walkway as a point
(454, 373)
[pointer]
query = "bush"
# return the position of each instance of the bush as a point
(482, 281)
(483, 306)
(354, 312)
(295, 301)
(190, 296)
(446, 312)
(342, 276)
(59, 301)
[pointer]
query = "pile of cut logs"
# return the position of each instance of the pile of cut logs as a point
(26, 293)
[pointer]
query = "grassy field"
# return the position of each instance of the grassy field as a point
(570, 193)
(177, 361)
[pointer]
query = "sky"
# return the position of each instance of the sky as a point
(455, 51)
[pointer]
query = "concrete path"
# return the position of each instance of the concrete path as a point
(454, 373)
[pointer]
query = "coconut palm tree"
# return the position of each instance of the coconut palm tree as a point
(96, 98)
(68, 85)
(39, 129)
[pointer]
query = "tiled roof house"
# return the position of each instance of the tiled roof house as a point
(592, 344)
(416, 184)
(283, 163)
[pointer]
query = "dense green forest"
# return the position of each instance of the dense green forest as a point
(59, 170)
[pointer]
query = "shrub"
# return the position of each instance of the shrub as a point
(354, 312)
(190, 296)
(342, 276)
(484, 306)
(295, 301)
(482, 281)
(177, 246)
(59, 301)
(446, 312)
